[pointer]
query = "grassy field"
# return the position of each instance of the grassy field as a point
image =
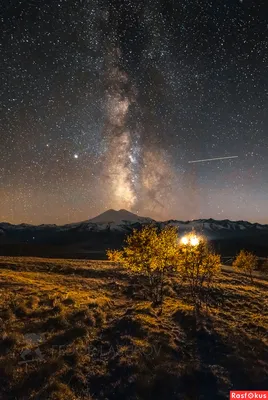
(72, 329)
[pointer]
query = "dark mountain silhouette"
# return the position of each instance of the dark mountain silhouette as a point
(91, 239)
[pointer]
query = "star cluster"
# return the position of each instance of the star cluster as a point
(103, 103)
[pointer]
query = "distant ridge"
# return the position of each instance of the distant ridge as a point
(91, 238)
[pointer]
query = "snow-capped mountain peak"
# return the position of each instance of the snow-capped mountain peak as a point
(117, 217)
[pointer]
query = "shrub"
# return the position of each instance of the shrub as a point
(246, 262)
(198, 267)
(150, 252)
(263, 267)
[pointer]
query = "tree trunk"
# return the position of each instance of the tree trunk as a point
(162, 285)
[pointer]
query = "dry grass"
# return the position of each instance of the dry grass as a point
(97, 337)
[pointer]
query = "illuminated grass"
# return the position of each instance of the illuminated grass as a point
(99, 339)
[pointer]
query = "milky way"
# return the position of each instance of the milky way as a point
(119, 157)
(103, 103)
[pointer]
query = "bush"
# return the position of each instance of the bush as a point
(246, 262)
(198, 266)
(263, 267)
(150, 252)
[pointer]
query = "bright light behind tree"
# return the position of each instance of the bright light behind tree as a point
(191, 240)
(194, 241)
(185, 240)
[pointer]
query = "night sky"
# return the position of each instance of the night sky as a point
(103, 103)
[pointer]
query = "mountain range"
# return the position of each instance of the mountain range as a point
(108, 230)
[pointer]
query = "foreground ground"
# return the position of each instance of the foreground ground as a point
(74, 329)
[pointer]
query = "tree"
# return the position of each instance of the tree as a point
(246, 262)
(150, 252)
(198, 266)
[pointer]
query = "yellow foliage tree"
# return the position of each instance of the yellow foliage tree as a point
(151, 252)
(246, 262)
(198, 266)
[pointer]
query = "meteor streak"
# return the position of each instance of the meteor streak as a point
(212, 159)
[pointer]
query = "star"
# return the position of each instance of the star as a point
(119, 99)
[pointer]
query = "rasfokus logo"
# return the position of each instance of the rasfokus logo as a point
(249, 395)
